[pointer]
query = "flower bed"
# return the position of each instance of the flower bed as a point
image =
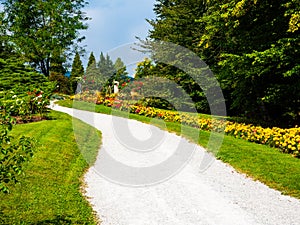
(287, 140)
(31, 106)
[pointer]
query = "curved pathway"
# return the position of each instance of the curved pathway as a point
(219, 195)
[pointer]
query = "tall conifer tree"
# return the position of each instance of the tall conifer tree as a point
(77, 72)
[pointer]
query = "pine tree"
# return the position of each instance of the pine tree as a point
(92, 60)
(121, 73)
(77, 72)
(106, 66)
(15, 76)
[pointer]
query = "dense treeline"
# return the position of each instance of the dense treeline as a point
(253, 48)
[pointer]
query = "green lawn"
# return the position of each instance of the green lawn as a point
(49, 192)
(275, 169)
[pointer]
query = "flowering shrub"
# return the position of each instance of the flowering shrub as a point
(288, 140)
(33, 103)
(95, 97)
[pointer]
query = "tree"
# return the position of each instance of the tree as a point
(6, 48)
(92, 60)
(144, 69)
(120, 74)
(77, 72)
(255, 50)
(251, 46)
(106, 66)
(176, 23)
(120, 67)
(107, 71)
(62, 82)
(57, 64)
(39, 28)
(15, 76)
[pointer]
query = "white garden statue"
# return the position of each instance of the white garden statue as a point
(116, 87)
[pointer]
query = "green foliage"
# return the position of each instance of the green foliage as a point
(23, 92)
(175, 23)
(76, 73)
(144, 69)
(62, 82)
(101, 76)
(93, 79)
(5, 46)
(42, 29)
(251, 46)
(181, 86)
(57, 63)
(26, 106)
(92, 60)
(20, 78)
(13, 154)
(258, 61)
(120, 74)
(106, 66)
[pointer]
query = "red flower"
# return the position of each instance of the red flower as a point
(118, 105)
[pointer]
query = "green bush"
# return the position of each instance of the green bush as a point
(12, 154)
(20, 78)
(25, 106)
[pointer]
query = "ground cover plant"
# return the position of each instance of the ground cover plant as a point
(262, 162)
(50, 190)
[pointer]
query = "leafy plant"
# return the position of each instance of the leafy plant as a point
(41, 29)
(33, 103)
(12, 155)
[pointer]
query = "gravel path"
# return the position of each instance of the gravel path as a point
(218, 195)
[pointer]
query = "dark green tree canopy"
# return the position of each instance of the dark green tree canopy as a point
(38, 28)
(106, 65)
(121, 73)
(92, 60)
(255, 50)
(77, 72)
(251, 46)
(17, 77)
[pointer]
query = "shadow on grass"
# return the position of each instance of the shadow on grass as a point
(58, 220)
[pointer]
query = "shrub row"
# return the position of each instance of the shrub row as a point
(287, 140)
(24, 107)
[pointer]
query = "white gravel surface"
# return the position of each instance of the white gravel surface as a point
(219, 195)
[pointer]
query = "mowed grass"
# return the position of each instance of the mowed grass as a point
(50, 190)
(268, 165)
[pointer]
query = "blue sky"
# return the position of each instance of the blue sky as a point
(115, 23)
